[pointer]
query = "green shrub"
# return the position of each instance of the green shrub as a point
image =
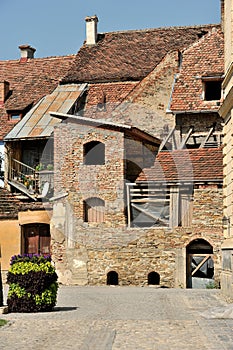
(32, 284)
(2, 322)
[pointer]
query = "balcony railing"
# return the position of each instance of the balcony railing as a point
(34, 183)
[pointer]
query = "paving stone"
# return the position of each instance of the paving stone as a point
(131, 318)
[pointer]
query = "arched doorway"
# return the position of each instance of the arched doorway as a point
(112, 278)
(153, 278)
(36, 239)
(200, 264)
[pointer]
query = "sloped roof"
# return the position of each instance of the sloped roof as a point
(10, 206)
(31, 79)
(204, 58)
(203, 164)
(130, 55)
(38, 122)
(103, 98)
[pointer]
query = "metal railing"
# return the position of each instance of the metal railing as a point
(29, 179)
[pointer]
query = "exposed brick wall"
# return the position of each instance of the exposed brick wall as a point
(86, 252)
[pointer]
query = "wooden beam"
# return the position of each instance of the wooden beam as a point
(207, 137)
(128, 205)
(166, 139)
(201, 263)
(148, 200)
(186, 138)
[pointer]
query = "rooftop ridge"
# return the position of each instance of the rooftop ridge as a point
(195, 26)
(40, 58)
(213, 31)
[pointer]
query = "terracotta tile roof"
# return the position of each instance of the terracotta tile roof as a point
(130, 55)
(102, 98)
(203, 164)
(29, 82)
(204, 58)
(8, 205)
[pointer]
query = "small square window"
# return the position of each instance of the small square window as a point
(212, 90)
(15, 117)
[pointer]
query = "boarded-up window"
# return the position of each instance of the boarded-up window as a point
(94, 210)
(94, 153)
(159, 205)
(186, 206)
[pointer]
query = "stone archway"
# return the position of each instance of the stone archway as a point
(199, 264)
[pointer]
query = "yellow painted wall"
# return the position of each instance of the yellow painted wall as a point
(10, 241)
(37, 216)
(10, 234)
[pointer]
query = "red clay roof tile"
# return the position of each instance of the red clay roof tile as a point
(203, 164)
(204, 58)
(130, 55)
(29, 82)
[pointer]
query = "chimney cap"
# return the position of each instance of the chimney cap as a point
(92, 18)
(27, 47)
(26, 52)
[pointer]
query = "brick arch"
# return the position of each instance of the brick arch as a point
(199, 237)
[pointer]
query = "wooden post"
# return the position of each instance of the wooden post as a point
(174, 206)
(128, 205)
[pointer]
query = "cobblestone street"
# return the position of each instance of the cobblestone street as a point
(118, 318)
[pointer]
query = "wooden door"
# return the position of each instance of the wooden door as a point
(36, 239)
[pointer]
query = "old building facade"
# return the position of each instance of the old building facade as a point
(137, 190)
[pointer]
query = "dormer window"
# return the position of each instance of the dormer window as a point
(15, 115)
(212, 88)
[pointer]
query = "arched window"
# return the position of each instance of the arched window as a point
(153, 278)
(94, 153)
(112, 278)
(94, 210)
(36, 239)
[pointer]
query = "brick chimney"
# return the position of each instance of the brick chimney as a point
(91, 30)
(26, 52)
(4, 90)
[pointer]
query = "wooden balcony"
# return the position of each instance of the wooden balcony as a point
(36, 184)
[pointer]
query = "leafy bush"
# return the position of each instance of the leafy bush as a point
(32, 284)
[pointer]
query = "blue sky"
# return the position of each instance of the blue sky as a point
(57, 27)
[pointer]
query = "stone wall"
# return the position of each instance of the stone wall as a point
(96, 249)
